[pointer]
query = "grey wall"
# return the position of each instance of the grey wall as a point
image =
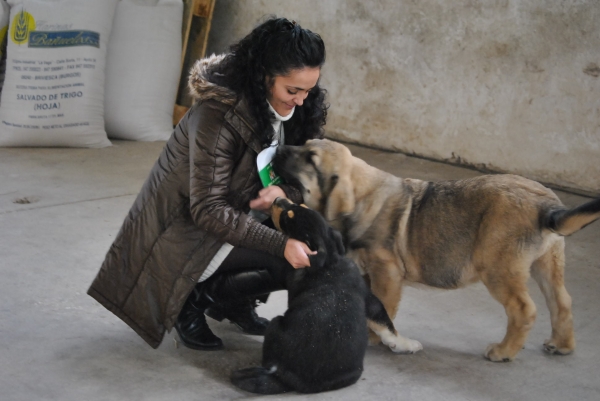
(506, 85)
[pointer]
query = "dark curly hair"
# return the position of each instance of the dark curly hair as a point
(274, 48)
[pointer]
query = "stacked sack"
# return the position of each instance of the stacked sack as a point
(4, 15)
(143, 69)
(77, 69)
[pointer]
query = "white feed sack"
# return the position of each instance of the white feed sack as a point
(53, 92)
(4, 15)
(142, 69)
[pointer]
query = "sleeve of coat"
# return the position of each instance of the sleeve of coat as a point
(213, 148)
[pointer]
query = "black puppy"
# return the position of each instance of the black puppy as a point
(320, 342)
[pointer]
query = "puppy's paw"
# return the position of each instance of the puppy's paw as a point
(556, 347)
(495, 353)
(401, 345)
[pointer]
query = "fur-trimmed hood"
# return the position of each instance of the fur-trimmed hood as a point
(201, 86)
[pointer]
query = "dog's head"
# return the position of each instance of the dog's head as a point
(307, 225)
(322, 169)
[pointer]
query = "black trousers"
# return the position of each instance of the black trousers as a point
(243, 259)
(248, 273)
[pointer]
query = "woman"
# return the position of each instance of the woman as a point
(191, 242)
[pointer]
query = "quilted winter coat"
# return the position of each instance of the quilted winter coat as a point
(195, 199)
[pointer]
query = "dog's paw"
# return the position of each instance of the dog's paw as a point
(401, 345)
(495, 353)
(553, 347)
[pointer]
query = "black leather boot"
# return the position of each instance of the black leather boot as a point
(191, 324)
(235, 296)
(228, 295)
(242, 314)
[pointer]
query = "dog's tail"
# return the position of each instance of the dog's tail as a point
(258, 380)
(568, 221)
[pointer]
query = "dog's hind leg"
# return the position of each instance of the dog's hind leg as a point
(509, 287)
(379, 321)
(548, 272)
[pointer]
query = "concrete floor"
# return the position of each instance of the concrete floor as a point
(59, 212)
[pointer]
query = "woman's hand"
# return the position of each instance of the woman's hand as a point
(266, 196)
(296, 253)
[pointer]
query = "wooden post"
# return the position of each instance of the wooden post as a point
(197, 17)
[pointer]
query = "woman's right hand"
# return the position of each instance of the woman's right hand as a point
(296, 253)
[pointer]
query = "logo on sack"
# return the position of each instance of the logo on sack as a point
(64, 39)
(23, 31)
(22, 25)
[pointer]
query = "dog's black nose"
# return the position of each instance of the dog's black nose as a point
(283, 150)
(282, 154)
(282, 202)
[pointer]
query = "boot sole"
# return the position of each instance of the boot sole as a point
(214, 314)
(219, 317)
(178, 340)
(252, 333)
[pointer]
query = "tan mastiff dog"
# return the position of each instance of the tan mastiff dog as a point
(499, 229)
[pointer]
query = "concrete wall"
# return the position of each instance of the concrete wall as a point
(504, 85)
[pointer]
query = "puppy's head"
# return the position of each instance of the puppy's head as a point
(308, 226)
(322, 169)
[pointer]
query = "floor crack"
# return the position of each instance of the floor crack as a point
(63, 204)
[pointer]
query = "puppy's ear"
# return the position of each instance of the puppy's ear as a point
(339, 241)
(341, 198)
(318, 260)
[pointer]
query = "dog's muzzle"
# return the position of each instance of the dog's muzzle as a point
(279, 206)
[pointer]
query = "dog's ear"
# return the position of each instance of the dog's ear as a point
(318, 260)
(339, 241)
(341, 198)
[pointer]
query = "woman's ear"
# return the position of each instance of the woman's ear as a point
(318, 260)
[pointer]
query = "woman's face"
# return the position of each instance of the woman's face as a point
(289, 91)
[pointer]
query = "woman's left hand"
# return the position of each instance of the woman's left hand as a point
(266, 196)
(296, 253)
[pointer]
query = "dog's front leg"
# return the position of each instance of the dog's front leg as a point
(386, 284)
(380, 323)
